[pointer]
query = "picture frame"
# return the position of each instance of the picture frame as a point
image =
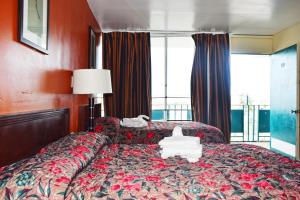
(34, 24)
(92, 48)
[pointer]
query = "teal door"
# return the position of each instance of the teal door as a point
(283, 101)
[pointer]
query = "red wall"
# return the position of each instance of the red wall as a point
(30, 80)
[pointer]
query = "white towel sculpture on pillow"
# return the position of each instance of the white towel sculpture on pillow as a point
(178, 145)
(135, 122)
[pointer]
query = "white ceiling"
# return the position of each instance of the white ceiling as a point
(260, 17)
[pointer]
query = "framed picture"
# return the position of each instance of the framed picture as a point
(34, 23)
(92, 49)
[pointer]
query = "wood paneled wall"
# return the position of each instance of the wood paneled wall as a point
(30, 80)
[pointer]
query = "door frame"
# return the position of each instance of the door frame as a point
(298, 104)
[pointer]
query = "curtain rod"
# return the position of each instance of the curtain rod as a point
(181, 33)
(171, 32)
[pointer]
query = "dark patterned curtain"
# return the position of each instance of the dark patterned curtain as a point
(219, 82)
(199, 98)
(210, 81)
(128, 57)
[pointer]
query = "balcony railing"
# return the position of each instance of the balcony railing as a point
(165, 109)
(249, 123)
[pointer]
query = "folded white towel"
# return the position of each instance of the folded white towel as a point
(135, 122)
(191, 154)
(180, 141)
(178, 145)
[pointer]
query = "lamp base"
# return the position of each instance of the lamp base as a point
(91, 114)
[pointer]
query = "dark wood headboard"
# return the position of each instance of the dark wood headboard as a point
(23, 135)
(83, 116)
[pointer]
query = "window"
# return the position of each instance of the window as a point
(172, 61)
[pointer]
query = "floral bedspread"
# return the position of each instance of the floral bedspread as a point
(156, 131)
(238, 171)
(48, 174)
(82, 166)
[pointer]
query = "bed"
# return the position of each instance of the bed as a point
(86, 166)
(156, 131)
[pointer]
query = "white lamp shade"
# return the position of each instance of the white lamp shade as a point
(91, 81)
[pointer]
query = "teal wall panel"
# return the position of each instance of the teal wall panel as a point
(264, 121)
(157, 114)
(237, 121)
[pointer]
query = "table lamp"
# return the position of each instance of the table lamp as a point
(91, 82)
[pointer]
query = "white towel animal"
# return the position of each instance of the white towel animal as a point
(178, 145)
(177, 131)
(135, 122)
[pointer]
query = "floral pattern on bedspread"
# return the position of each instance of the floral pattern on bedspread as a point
(48, 174)
(156, 131)
(237, 171)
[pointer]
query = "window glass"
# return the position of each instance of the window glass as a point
(158, 66)
(180, 63)
(250, 79)
(180, 55)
